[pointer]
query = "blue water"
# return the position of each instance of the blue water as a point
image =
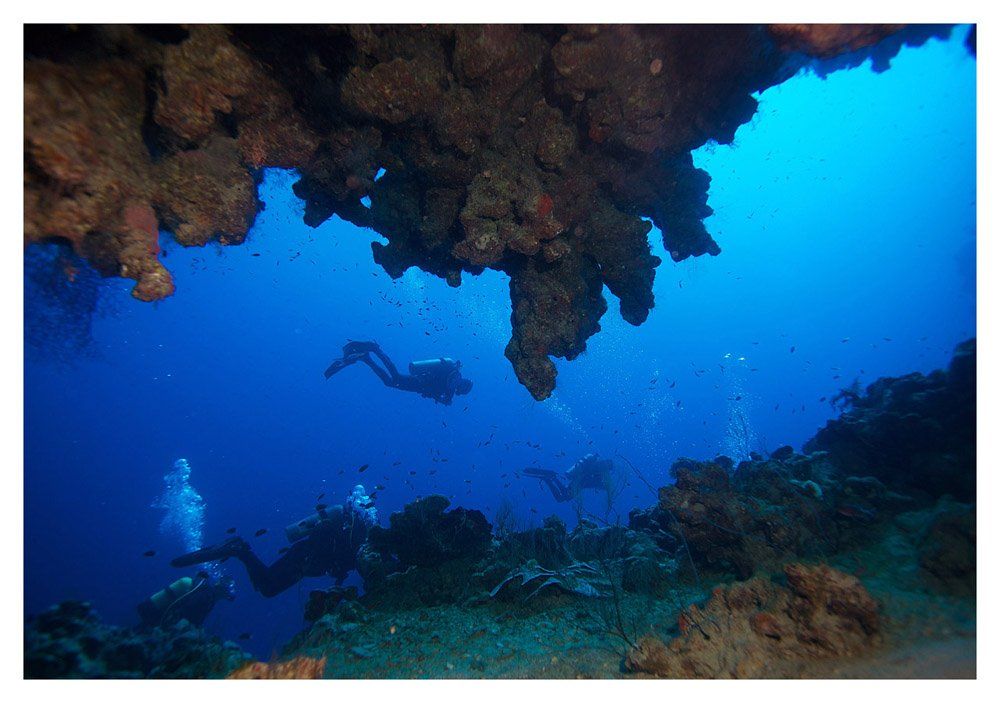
(845, 211)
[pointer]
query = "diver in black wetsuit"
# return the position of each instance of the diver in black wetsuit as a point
(324, 543)
(590, 472)
(439, 379)
(187, 598)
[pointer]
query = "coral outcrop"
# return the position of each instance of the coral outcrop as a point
(915, 432)
(425, 555)
(759, 628)
(756, 517)
(70, 641)
(948, 549)
(296, 668)
(830, 565)
(546, 152)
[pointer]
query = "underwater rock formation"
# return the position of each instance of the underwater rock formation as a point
(914, 433)
(829, 40)
(948, 549)
(758, 628)
(426, 553)
(426, 533)
(756, 517)
(70, 641)
(322, 602)
(546, 152)
(297, 668)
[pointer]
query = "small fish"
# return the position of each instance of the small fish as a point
(370, 504)
(150, 553)
(262, 531)
(362, 468)
(245, 636)
(231, 531)
(379, 487)
(255, 254)
(792, 350)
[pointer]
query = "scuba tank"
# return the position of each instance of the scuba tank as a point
(163, 598)
(153, 609)
(301, 529)
(419, 368)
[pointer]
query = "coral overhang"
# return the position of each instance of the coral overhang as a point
(545, 152)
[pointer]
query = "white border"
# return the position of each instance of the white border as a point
(729, 11)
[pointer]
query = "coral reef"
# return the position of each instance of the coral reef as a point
(913, 433)
(426, 533)
(828, 40)
(756, 517)
(297, 668)
(544, 152)
(322, 602)
(758, 628)
(948, 549)
(425, 555)
(837, 572)
(69, 641)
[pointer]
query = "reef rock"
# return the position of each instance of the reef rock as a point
(756, 517)
(913, 433)
(426, 554)
(947, 550)
(542, 151)
(297, 668)
(327, 601)
(425, 533)
(69, 641)
(758, 628)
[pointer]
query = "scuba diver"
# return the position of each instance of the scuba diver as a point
(187, 598)
(440, 379)
(589, 472)
(325, 542)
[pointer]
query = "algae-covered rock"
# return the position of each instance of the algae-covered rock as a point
(425, 533)
(759, 628)
(425, 556)
(546, 152)
(948, 549)
(70, 641)
(913, 433)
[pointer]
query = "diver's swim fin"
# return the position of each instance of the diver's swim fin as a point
(538, 473)
(215, 552)
(343, 362)
(336, 366)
